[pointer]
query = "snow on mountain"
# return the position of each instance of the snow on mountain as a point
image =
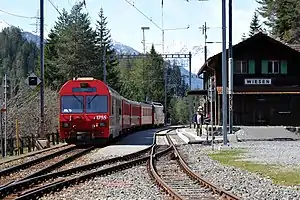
(197, 83)
(125, 49)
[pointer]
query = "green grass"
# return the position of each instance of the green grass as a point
(279, 175)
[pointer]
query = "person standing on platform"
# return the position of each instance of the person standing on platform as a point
(199, 121)
(195, 120)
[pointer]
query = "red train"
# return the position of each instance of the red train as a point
(93, 113)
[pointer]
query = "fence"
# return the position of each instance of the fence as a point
(27, 144)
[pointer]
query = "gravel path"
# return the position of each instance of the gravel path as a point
(272, 152)
(130, 184)
(242, 183)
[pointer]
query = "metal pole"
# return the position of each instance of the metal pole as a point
(190, 82)
(205, 46)
(230, 67)
(205, 50)
(211, 87)
(224, 74)
(163, 51)
(166, 82)
(5, 114)
(17, 136)
(1, 128)
(42, 64)
(144, 44)
(162, 27)
(104, 63)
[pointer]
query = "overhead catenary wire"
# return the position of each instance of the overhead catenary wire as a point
(144, 15)
(17, 15)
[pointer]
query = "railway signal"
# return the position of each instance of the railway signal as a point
(32, 81)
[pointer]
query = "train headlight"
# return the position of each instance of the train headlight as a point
(65, 125)
(102, 124)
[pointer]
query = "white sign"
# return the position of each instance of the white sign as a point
(254, 81)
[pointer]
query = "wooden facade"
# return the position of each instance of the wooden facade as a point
(266, 82)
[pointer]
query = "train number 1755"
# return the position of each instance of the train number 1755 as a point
(101, 117)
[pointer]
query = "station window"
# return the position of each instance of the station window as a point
(241, 67)
(273, 67)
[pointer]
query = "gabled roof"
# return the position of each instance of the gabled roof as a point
(258, 36)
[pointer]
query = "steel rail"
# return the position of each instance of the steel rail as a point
(216, 190)
(24, 184)
(37, 192)
(33, 153)
(9, 170)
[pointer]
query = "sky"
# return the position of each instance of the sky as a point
(125, 22)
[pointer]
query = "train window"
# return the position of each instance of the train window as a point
(92, 89)
(96, 104)
(72, 104)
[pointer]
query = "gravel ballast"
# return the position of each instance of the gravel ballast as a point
(272, 152)
(245, 184)
(133, 183)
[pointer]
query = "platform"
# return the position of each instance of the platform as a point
(189, 136)
(243, 133)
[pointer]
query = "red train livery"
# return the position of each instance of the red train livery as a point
(92, 112)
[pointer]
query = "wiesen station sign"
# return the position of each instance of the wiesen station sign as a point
(258, 81)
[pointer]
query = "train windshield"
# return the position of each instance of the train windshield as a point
(96, 104)
(72, 104)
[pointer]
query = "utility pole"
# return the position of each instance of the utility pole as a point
(144, 48)
(230, 67)
(190, 82)
(162, 27)
(163, 51)
(204, 29)
(42, 64)
(5, 114)
(204, 32)
(224, 74)
(144, 41)
(211, 95)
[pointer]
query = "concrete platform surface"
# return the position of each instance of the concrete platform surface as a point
(190, 137)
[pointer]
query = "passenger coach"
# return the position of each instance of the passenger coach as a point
(92, 112)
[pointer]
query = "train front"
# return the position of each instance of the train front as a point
(84, 111)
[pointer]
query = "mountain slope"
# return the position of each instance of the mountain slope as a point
(124, 49)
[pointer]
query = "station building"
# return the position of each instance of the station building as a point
(266, 82)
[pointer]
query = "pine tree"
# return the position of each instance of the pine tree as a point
(73, 46)
(282, 17)
(106, 51)
(255, 25)
(156, 70)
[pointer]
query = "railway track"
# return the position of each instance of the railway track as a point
(46, 165)
(35, 187)
(179, 181)
(6, 163)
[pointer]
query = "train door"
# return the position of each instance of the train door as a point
(113, 116)
(118, 116)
